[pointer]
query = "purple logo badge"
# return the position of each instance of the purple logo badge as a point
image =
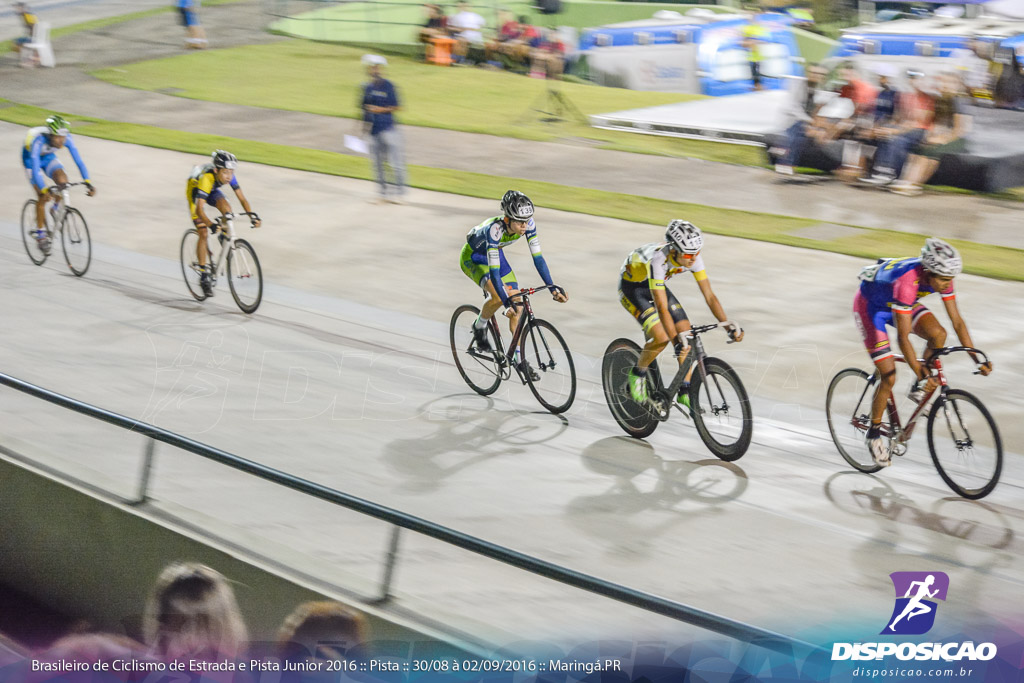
(916, 593)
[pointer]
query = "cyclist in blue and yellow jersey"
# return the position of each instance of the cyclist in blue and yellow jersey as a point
(894, 286)
(643, 293)
(39, 157)
(202, 191)
(483, 261)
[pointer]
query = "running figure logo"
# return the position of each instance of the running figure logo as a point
(914, 612)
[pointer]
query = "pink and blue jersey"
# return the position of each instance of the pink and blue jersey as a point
(888, 286)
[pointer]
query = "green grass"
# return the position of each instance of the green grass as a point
(396, 22)
(320, 78)
(982, 259)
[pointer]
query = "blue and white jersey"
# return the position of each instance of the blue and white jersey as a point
(38, 148)
(490, 237)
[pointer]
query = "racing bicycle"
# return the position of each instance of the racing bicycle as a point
(962, 436)
(236, 257)
(63, 218)
(544, 362)
(718, 402)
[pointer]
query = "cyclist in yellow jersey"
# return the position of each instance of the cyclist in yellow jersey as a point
(643, 293)
(202, 191)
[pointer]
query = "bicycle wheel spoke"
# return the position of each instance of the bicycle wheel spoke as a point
(245, 278)
(965, 444)
(721, 410)
(547, 357)
(848, 409)
(481, 370)
(74, 235)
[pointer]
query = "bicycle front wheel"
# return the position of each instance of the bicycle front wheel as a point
(74, 240)
(620, 357)
(965, 445)
(245, 277)
(190, 269)
(848, 411)
(547, 355)
(28, 233)
(481, 369)
(721, 410)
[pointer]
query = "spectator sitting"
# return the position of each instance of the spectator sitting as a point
(803, 110)
(321, 630)
(947, 136)
(547, 59)
(511, 47)
(29, 20)
(914, 112)
(879, 126)
(465, 28)
(192, 613)
(436, 26)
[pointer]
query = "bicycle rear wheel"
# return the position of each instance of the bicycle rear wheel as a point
(190, 265)
(74, 240)
(482, 370)
(620, 357)
(965, 445)
(721, 410)
(245, 277)
(848, 411)
(547, 354)
(28, 233)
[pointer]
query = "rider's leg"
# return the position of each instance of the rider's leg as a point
(42, 196)
(886, 369)
(926, 326)
(657, 341)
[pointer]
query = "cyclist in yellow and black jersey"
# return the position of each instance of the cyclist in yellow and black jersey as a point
(204, 190)
(642, 292)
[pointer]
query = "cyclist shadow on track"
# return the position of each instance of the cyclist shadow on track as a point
(709, 483)
(466, 430)
(960, 532)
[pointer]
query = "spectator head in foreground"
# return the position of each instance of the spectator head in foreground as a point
(321, 630)
(98, 648)
(192, 612)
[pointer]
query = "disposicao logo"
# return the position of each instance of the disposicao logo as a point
(916, 593)
(912, 615)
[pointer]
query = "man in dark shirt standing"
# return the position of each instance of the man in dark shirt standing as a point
(380, 101)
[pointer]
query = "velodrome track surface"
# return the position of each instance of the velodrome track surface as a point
(344, 377)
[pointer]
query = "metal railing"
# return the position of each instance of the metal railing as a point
(646, 601)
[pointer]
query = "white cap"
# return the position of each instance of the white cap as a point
(886, 69)
(374, 60)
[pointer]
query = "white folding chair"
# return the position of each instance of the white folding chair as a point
(39, 47)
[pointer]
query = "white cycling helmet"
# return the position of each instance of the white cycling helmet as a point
(684, 236)
(941, 258)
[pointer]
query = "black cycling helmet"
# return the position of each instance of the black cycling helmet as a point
(517, 206)
(222, 159)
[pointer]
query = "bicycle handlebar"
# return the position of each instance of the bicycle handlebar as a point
(701, 329)
(527, 291)
(57, 188)
(954, 349)
(223, 218)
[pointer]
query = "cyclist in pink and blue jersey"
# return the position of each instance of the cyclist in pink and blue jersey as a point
(889, 295)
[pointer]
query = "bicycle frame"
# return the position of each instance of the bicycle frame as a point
(226, 224)
(694, 362)
(524, 317)
(895, 430)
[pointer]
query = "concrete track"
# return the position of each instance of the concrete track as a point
(344, 377)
